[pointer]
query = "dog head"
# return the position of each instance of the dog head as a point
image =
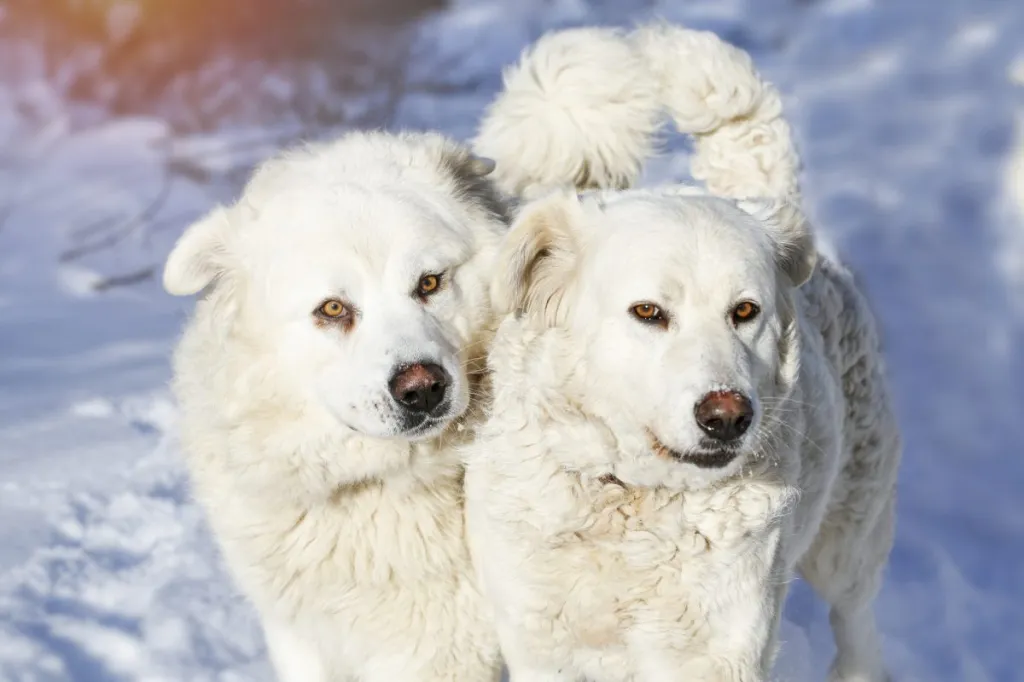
(680, 309)
(353, 276)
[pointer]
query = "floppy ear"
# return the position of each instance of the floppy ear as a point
(538, 258)
(787, 226)
(200, 255)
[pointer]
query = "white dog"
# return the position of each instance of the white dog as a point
(686, 409)
(324, 383)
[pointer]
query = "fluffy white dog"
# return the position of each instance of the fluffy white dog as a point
(324, 382)
(689, 403)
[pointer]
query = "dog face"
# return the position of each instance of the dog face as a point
(681, 310)
(359, 274)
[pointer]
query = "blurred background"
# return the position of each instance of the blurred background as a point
(123, 120)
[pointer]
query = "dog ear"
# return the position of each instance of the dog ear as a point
(480, 166)
(538, 257)
(470, 174)
(199, 256)
(789, 230)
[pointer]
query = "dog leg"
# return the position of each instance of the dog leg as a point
(845, 561)
(295, 659)
(518, 672)
(675, 665)
(531, 675)
(472, 668)
(859, 657)
(524, 667)
(467, 665)
(844, 565)
(732, 638)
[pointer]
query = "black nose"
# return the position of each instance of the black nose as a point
(419, 387)
(724, 415)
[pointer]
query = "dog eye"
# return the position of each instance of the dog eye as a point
(744, 312)
(649, 313)
(332, 309)
(428, 285)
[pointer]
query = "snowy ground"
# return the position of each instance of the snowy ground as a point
(905, 113)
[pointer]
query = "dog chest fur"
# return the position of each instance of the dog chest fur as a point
(362, 573)
(588, 562)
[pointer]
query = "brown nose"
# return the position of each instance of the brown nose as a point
(724, 415)
(420, 387)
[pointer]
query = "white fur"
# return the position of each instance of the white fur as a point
(609, 555)
(583, 107)
(710, 88)
(342, 524)
(584, 79)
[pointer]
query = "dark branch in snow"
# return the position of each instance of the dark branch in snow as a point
(113, 233)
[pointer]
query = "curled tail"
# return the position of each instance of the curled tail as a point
(584, 106)
(579, 107)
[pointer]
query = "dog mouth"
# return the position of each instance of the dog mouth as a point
(415, 427)
(418, 425)
(709, 456)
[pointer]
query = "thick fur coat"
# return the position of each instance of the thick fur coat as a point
(616, 539)
(339, 510)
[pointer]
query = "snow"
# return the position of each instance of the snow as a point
(911, 125)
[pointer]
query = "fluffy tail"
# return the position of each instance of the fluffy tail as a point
(584, 106)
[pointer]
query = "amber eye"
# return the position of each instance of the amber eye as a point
(332, 308)
(648, 312)
(429, 284)
(744, 312)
